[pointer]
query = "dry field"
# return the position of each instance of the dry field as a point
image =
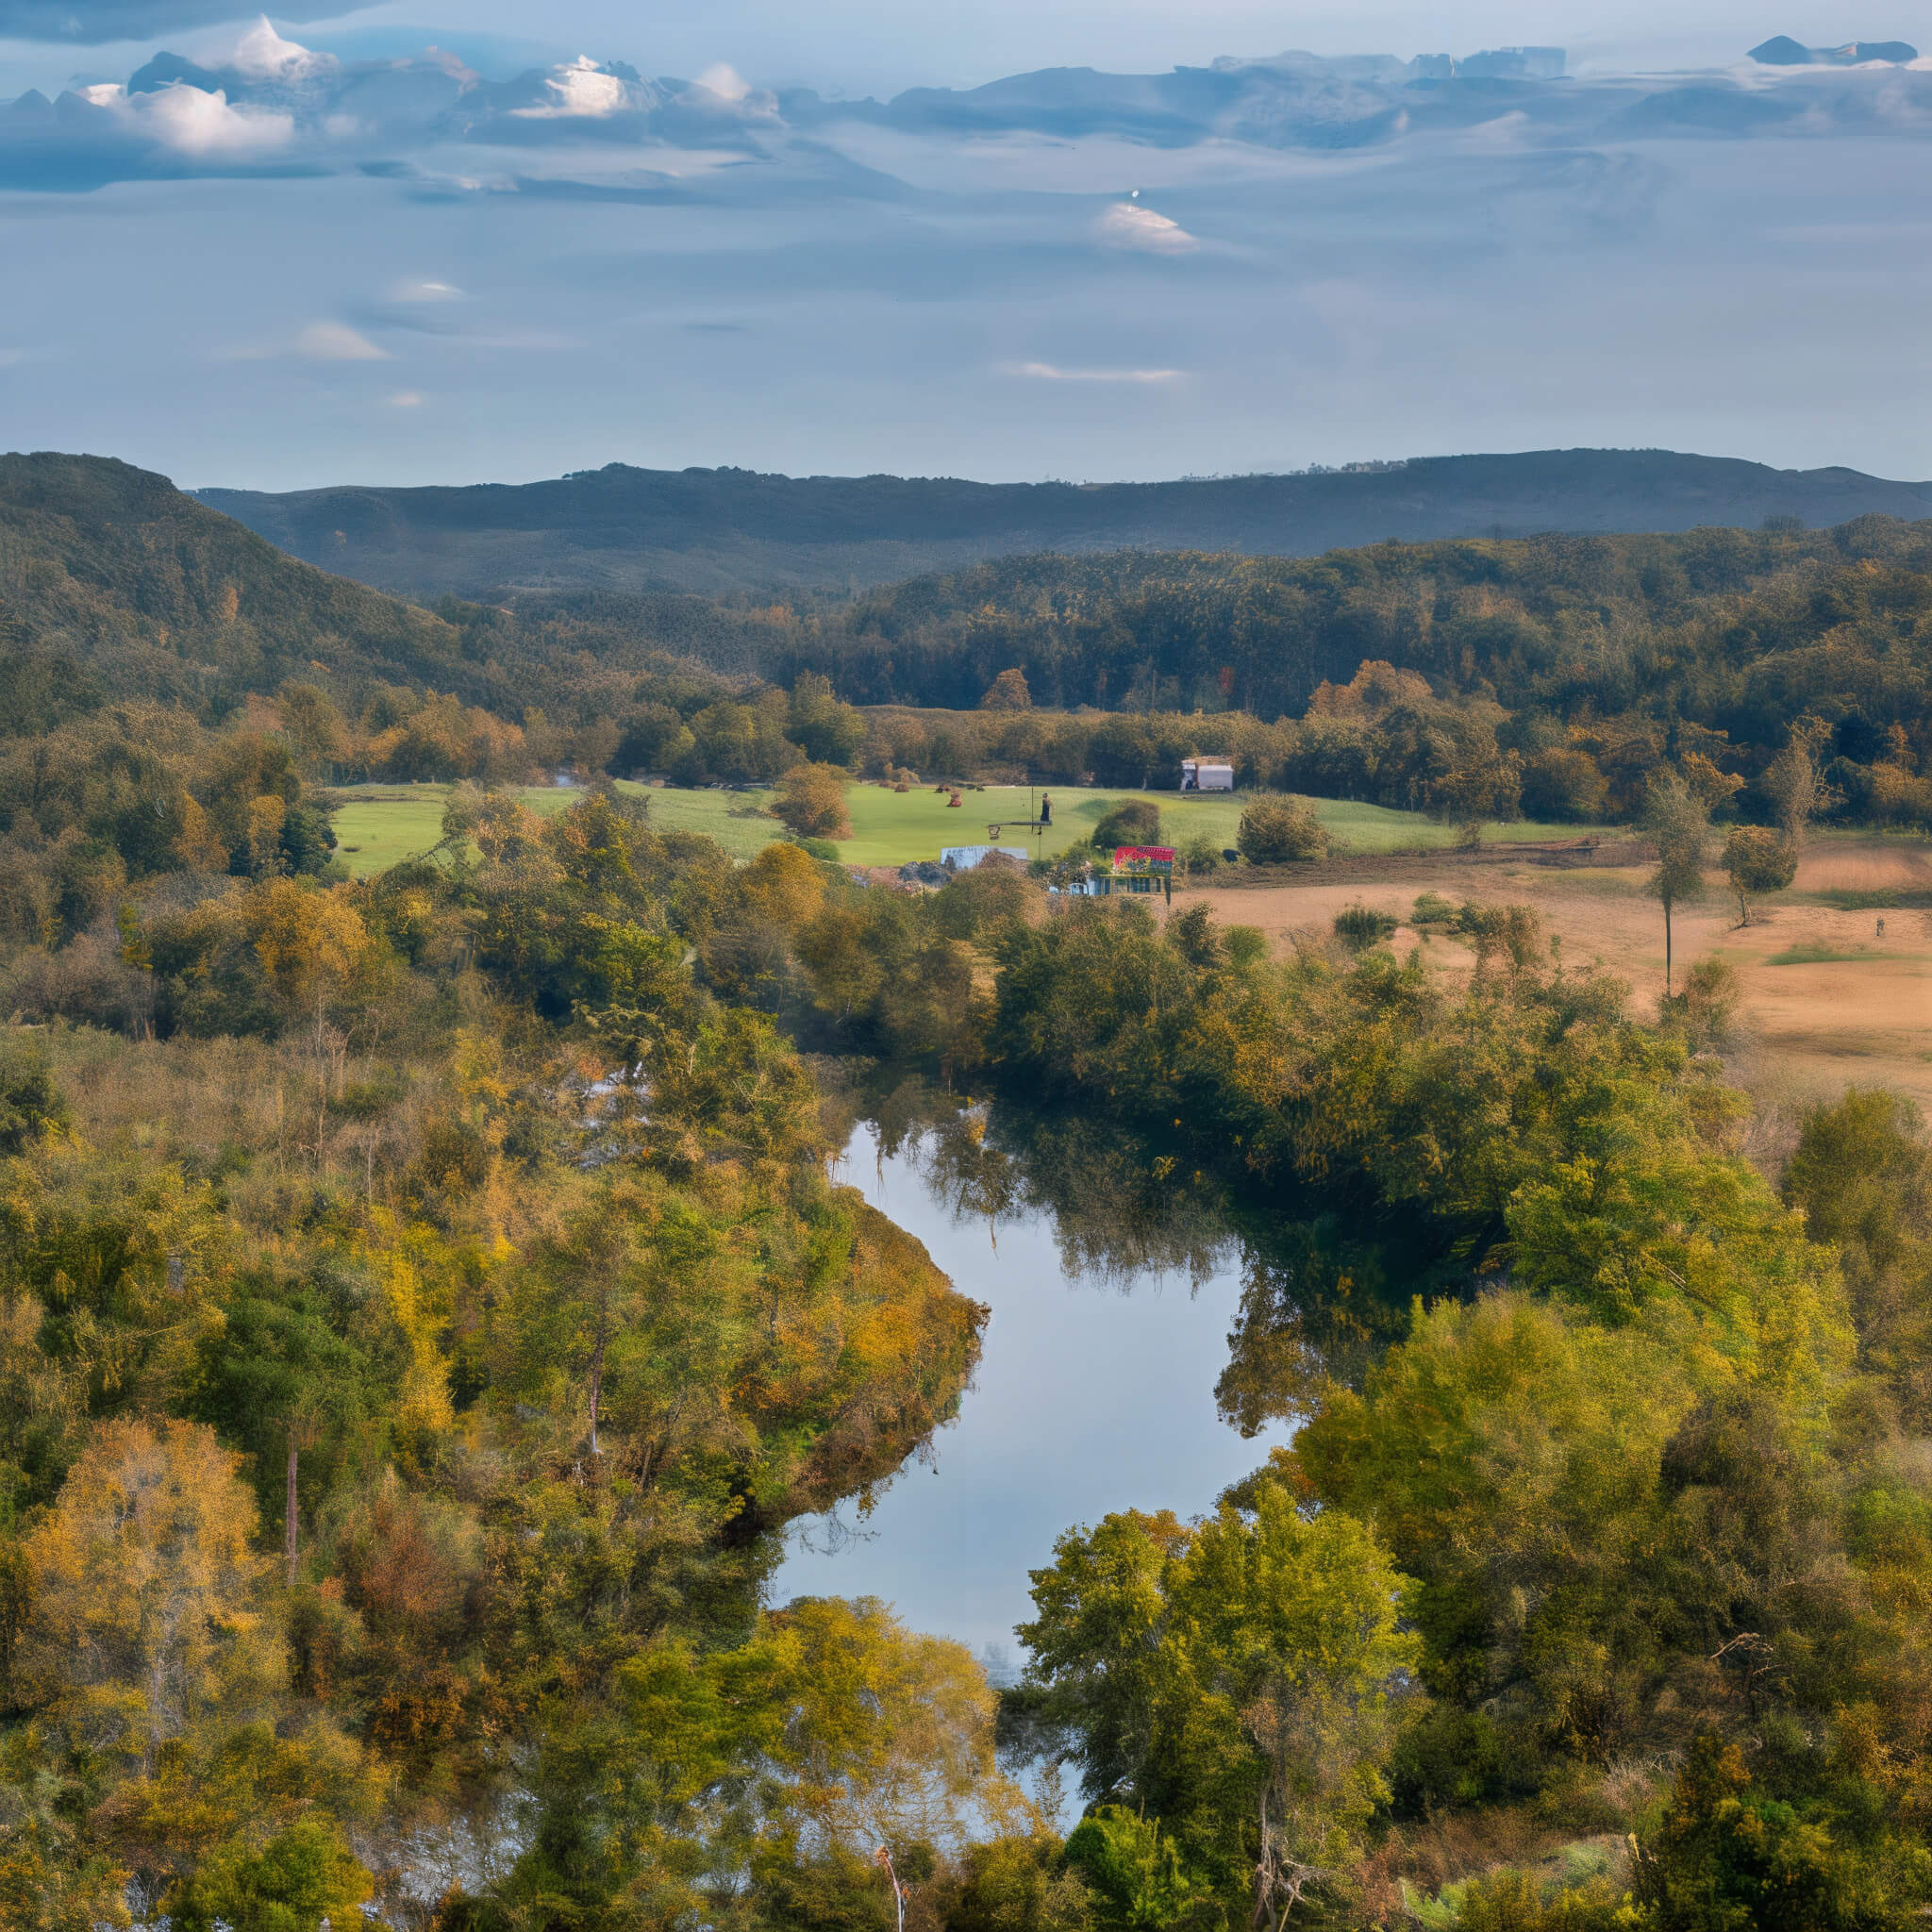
(1827, 1001)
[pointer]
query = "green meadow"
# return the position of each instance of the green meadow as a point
(378, 824)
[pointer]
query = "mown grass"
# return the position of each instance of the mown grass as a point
(378, 824)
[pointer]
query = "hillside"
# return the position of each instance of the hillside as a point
(717, 531)
(113, 570)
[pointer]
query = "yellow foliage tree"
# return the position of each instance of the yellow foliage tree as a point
(784, 885)
(310, 942)
(147, 1588)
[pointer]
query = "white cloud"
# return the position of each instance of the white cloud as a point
(1049, 372)
(725, 81)
(1127, 225)
(192, 122)
(425, 291)
(336, 341)
(581, 91)
(406, 399)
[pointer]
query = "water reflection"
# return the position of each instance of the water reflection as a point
(1094, 1392)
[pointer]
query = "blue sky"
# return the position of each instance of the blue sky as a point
(318, 252)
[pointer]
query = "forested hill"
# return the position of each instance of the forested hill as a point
(1744, 629)
(114, 584)
(716, 532)
(110, 574)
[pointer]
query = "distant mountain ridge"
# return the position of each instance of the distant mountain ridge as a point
(719, 531)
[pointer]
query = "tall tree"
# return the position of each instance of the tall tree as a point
(1231, 1682)
(1677, 822)
(145, 1580)
(1795, 784)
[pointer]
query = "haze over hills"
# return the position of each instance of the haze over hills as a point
(716, 532)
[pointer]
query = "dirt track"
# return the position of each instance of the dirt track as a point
(1811, 1026)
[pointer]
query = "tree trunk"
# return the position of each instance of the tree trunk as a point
(597, 1390)
(288, 1524)
(1666, 948)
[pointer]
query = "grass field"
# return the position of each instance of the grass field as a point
(379, 825)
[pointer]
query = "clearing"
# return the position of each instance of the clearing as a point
(378, 824)
(1826, 1000)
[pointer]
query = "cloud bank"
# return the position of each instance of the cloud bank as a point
(251, 263)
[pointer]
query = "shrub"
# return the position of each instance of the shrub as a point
(819, 848)
(1200, 857)
(1707, 1009)
(1358, 928)
(1431, 908)
(1133, 821)
(30, 1098)
(1278, 831)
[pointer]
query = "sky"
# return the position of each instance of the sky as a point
(490, 241)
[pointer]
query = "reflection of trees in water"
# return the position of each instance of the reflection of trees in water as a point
(1320, 1300)
(1317, 1306)
(1121, 1210)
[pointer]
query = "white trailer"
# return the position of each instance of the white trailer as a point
(1206, 775)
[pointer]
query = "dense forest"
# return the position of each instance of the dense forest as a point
(1575, 667)
(424, 1305)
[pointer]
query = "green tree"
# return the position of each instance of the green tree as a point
(1233, 1680)
(1132, 822)
(1677, 822)
(300, 1879)
(1726, 1855)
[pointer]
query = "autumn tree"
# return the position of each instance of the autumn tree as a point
(1677, 822)
(1008, 692)
(811, 802)
(146, 1586)
(1757, 861)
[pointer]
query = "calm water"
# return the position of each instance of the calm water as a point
(1095, 1392)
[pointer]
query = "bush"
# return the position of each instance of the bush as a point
(30, 1098)
(1200, 857)
(1358, 928)
(819, 848)
(811, 802)
(89, 982)
(1707, 1009)
(1134, 822)
(1431, 908)
(1278, 831)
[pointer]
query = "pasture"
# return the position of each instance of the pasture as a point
(378, 824)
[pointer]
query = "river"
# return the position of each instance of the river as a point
(1094, 1392)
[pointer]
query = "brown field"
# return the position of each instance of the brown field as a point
(1852, 1007)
